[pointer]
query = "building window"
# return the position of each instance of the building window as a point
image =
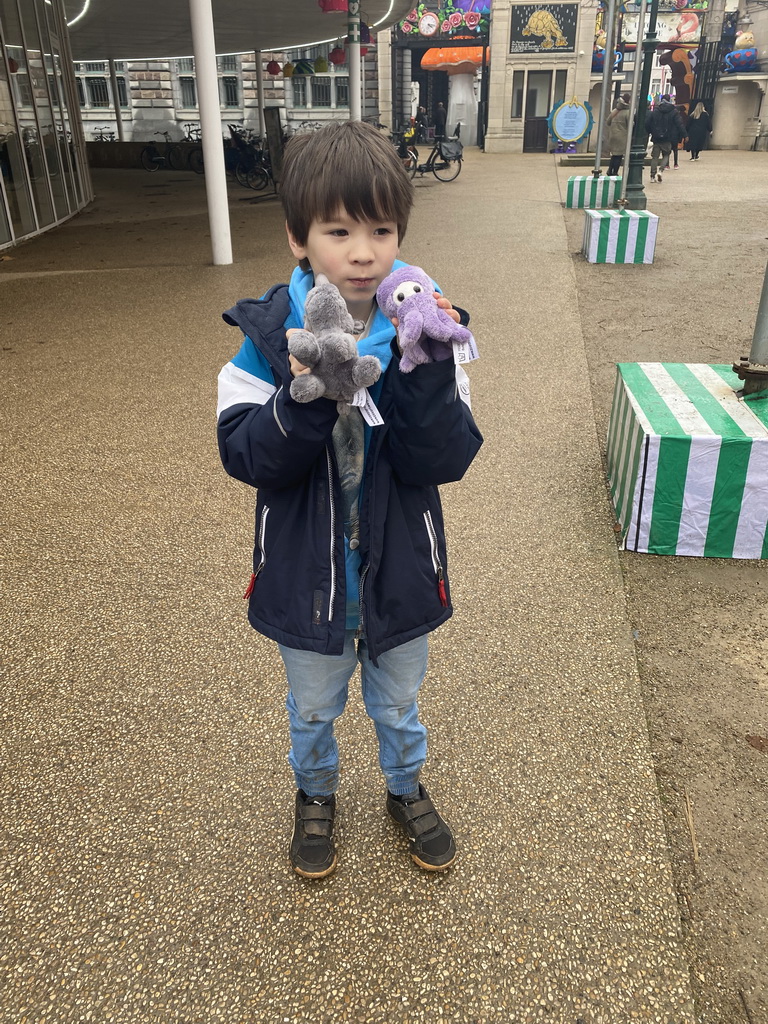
(518, 93)
(342, 92)
(80, 91)
(321, 92)
(299, 92)
(97, 66)
(122, 92)
(230, 92)
(185, 65)
(98, 93)
(188, 92)
(228, 63)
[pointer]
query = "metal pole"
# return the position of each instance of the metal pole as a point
(635, 193)
(605, 95)
(633, 101)
(353, 45)
(260, 93)
(753, 370)
(204, 45)
(116, 100)
(759, 352)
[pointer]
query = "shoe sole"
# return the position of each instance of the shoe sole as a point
(317, 874)
(432, 867)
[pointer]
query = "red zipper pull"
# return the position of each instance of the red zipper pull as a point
(249, 589)
(441, 588)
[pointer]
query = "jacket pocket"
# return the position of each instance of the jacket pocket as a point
(436, 563)
(260, 551)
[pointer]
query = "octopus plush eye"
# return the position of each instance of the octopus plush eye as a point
(407, 288)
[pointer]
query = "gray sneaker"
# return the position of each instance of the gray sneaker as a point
(658, 178)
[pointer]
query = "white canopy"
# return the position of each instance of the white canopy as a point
(125, 29)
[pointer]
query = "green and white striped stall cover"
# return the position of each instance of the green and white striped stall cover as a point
(688, 461)
(592, 192)
(619, 236)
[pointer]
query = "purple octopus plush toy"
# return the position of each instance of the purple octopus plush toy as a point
(426, 332)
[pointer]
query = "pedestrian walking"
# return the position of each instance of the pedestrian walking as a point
(421, 124)
(678, 136)
(618, 128)
(699, 130)
(350, 558)
(664, 124)
(440, 116)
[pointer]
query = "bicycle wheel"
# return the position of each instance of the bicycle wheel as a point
(195, 161)
(258, 179)
(446, 170)
(241, 173)
(150, 158)
(176, 158)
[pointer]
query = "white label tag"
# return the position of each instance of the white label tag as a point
(367, 407)
(465, 351)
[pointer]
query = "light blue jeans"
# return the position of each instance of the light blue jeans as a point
(318, 690)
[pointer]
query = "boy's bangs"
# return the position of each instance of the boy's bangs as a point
(365, 193)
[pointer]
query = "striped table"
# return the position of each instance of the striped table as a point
(619, 236)
(688, 461)
(589, 191)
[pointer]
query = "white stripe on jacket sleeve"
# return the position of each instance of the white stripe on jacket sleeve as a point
(238, 387)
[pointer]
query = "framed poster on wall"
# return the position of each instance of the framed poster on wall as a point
(543, 28)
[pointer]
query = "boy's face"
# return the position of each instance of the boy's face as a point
(355, 255)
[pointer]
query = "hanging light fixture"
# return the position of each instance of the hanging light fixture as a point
(273, 68)
(288, 70)
(337, 56)
(321, 65)
(303, 68)
(333, 6)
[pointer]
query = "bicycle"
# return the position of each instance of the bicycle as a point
(152, 159)
(252, 167)
(103, 135)
(409, 155)
(192, 131)
(444, 159)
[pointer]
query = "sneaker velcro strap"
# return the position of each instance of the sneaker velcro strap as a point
(420, 817)
(316, 819)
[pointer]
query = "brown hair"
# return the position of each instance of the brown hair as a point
(344, 164)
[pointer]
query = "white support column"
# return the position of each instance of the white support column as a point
(355, 80)
(116, 100)
(204, 46)
(260, 93)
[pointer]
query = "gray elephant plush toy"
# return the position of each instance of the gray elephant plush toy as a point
(327, 346)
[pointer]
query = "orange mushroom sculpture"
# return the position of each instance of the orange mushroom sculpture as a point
(461, 64)
(455, 60)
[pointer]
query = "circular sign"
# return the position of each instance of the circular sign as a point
(429, 24)
(570, 122)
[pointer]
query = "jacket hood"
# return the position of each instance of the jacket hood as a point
(665, 105)
(264, 318)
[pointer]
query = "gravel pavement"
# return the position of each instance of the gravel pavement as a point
(147, 798)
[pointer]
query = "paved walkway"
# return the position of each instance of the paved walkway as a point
(147, 796)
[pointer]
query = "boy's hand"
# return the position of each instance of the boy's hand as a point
(297, 368)
(443, 303)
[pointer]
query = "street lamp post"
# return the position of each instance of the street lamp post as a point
(605, 94)
(353, 47)
(635, 195)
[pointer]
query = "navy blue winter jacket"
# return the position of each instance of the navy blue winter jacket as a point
(284, 449)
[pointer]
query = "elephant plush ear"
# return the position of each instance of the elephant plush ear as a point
(321, 279)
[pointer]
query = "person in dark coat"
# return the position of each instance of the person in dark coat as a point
(440, 116)
(678, 134)
(421, 125)
(699, 130)
(663, 124)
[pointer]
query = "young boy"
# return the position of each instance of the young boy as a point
(349, 561)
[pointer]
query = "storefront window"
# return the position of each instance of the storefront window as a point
(14, 192)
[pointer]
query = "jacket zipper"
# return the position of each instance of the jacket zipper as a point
(361, 628)
(332, 506)
(262, 552)
(439, 572)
